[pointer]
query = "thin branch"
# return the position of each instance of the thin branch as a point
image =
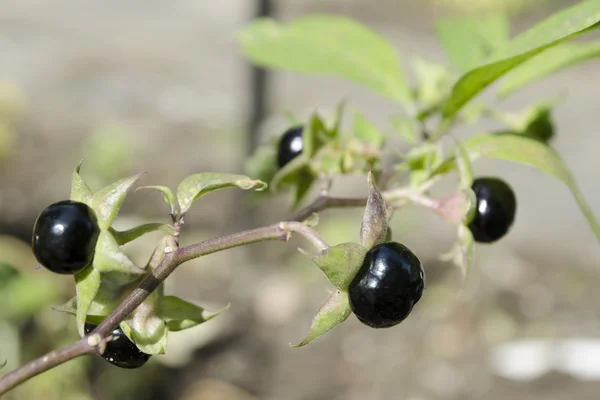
(168, 264)
(323, 202)
(309, 234)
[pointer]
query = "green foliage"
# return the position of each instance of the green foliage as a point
(328, 45)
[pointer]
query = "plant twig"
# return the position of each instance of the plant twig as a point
(91, 343)
(309, 234)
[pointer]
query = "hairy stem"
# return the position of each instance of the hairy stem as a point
(309, 234)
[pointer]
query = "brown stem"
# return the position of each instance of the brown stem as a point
(168, 264)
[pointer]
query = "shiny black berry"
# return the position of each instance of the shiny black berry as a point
(290, 145)
(121, 352)
(389, 283)
(495, 209)
(65, 236)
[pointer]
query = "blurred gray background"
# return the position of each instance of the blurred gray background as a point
(161, 86)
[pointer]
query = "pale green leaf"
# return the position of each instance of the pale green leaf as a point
(108, 201)
(340, 263)
(556, 29)
(407, 128)
(531, 152)
(195, 186)
(167, 193)
(328, 45)
(332, 313)
(123, 237)
(560, 57)
(469, 40)
(180, 314)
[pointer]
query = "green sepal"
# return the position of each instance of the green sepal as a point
(123, 237)
(80, 191)
(87, 284)
(365, 131)
(333, 312)
(465, 168)
(179, 314)
(340, 263)
(107, 201)
(110, 258)
(374, 227)
(145, 328)
(197, 185)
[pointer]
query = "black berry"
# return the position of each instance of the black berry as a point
(495, 209)
(389, 283)
(121, 352)
(65, 236)
(290, 146)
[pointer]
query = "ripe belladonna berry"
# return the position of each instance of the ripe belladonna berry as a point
(65, 236)
(495, 209)
(290, 146)
(121, 351)
(389, 283)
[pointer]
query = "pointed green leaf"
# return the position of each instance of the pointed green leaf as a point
(167, 195)
(195, 186)
(337, 122)
(87, 284)
(373, 229)
(556, 29)
(145, 328)
(335, 311)
(366, 131)
(180, 314)
(340, 263)
(553, 60)
(130, 235)
(110, 258)
(469, 40)
(80, 191)
(530, 152)
(107, 201)
(328, 45)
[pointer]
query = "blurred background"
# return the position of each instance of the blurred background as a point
(162, 87)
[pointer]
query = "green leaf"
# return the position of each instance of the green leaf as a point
(167, 195)
(469, 40)
(530, 152)
(80, 191)
(107, 201)
(195, 186)
(374, 226)
(553, 60)
(180, 314)
(328, 45)
(123, 237)
(556, 29)
(332, 313)
(87, 284)
(109, 257)
(340, 263)
(366, 131)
